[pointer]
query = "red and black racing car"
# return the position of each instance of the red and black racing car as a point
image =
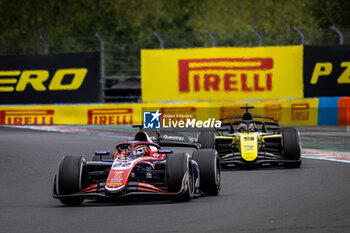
(138, 168)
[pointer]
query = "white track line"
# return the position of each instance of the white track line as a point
(343, 157)
(64, 129)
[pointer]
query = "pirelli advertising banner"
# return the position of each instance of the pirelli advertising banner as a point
(115, 114)
(326, 71)
(287, 112)
(59, 78)
(222, 73)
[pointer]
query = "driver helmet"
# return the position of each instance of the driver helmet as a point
(242, 127)
(140, 150)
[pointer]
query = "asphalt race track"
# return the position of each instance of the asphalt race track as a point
(314, 198)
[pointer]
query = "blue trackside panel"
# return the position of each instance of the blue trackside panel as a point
(328, 111)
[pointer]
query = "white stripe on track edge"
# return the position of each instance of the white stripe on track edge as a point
(343, 157)
(70, 130)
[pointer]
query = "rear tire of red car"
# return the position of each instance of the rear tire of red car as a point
(69, 179)
(207, 139)
(177, 165)
(291, 147)
(209, 170)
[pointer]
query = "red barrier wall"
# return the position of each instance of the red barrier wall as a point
(344, 111)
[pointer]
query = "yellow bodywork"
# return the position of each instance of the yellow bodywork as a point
(249, 146)
(248, 143)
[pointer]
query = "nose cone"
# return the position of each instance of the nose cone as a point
(116, 181)
(249, 146)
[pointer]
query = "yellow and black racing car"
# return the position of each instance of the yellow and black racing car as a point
(254, 140)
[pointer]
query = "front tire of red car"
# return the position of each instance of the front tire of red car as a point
(177, 165)
(209, 170)
(69, 179)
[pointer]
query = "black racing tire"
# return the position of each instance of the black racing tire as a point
(69, 179)
(177, 165)
(207, 139)
(291, 147)
(209, 170)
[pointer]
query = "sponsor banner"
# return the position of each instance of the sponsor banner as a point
(110, 116)
(326, 71)
(27, 117)
(222, 73)
(287, 112)
(104, 114)
(58, 78)
(293, 112)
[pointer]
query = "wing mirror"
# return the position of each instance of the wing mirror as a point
(161, 151)
(103, 152)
